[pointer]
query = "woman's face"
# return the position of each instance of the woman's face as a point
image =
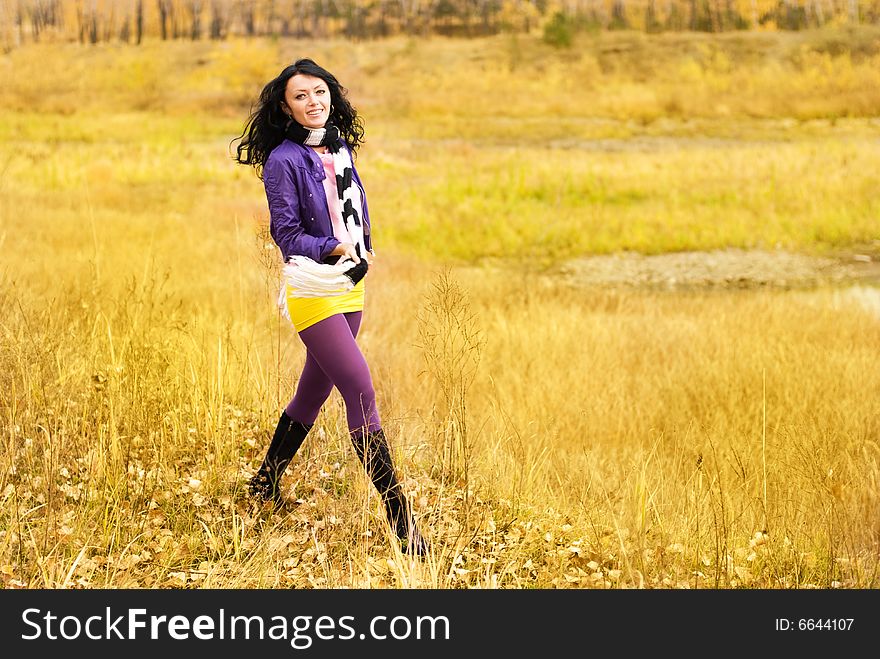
(308, 100)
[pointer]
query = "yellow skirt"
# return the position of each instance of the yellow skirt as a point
(306, 311)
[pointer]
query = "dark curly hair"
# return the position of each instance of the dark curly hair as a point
(264, 129)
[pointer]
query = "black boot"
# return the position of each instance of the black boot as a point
(373, 452)
(288, 437)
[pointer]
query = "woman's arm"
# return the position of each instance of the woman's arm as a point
(285, 224)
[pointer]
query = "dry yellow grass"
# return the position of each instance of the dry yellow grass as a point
(645, 438)
(584, 438)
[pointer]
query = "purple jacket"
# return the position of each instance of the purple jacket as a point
(299, 218)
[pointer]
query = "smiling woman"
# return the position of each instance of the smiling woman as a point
(301, 140)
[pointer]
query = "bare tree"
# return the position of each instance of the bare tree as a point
(9, 27)
(619, 19)
(164, 7)
(87, 23)
(125, 28)
(139, 21)
(108, 23)
(42, 14)
(270, 18)
(247, 10)
(92, 26)
(219, 19)
(195, 13)
(854, 11)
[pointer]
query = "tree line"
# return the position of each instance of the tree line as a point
(132, 21)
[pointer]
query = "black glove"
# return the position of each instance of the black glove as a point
(358, 271)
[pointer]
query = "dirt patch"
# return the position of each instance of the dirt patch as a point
(728, 268)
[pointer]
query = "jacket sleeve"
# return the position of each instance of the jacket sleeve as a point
(285, 223)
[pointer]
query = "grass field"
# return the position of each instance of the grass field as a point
(550, 436)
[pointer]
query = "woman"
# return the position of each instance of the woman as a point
(301, 140)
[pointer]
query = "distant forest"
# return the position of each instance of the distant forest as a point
(94, 21)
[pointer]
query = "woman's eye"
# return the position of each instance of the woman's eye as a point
(322, 91)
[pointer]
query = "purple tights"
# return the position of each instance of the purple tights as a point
(334, 358)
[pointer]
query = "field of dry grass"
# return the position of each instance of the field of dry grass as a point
(550, 436)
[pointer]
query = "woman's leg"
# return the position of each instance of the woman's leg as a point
(373, 451)
(314, 385)
(297, 419)
(331, 344)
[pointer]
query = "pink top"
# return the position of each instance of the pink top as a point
(335, 205)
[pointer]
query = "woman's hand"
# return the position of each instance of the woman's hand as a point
(346, 250)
